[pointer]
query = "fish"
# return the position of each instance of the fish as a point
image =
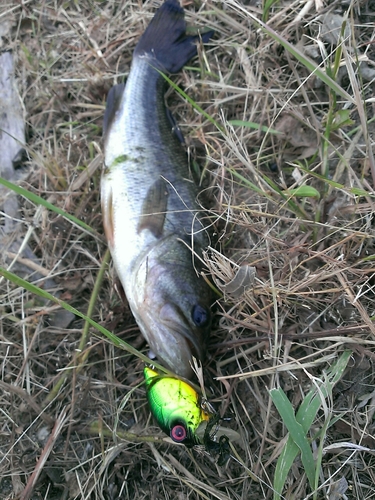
(153, 223)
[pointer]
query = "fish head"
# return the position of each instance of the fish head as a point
(171, 304)
(175, 405)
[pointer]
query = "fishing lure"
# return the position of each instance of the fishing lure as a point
(182, 414)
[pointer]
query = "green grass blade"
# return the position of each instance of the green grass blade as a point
(249, 184)
(41, 201)
(191, 101)
(305, 417)
(296, 432)
(337, 185)
(303, 192)
(312, 402)
(94, 298)
(307, 62)
(283, 466)
(267, 4)
(286, 197)
(255, 126)
(110, 336)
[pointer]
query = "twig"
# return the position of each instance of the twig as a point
(26, 494)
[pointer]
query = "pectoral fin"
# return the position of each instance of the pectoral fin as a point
(154, 209)
(107, 210)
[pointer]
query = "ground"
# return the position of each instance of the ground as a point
(282, 128)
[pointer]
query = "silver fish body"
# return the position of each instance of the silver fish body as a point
(152, 220)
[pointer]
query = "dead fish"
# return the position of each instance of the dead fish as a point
(152, 220)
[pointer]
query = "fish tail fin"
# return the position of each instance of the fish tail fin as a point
(165, 38)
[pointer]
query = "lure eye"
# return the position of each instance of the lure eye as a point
(200, 315)
(178, 433)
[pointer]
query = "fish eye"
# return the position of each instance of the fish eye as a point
(178, 433)
(200, 315)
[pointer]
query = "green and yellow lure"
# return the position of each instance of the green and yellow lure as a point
(176, 407)
(182, 414)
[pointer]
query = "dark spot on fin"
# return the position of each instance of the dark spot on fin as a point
(113, 103)
(165, 39)
(154, 209)
(175, 128)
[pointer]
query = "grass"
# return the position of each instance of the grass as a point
(281, 120)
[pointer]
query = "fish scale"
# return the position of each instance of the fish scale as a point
(153, 223)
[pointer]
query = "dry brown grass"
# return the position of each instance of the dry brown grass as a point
(312, 297)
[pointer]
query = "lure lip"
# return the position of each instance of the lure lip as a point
(220, 430)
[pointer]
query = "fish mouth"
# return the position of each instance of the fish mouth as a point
(192, 345)
(173, 319)
(173, 341)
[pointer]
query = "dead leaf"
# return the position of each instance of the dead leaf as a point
(242, 281)
(303, 139)
(338, 489)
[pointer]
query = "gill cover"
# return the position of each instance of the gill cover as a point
(175, 406)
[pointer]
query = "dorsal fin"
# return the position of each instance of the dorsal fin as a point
(113, 103)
